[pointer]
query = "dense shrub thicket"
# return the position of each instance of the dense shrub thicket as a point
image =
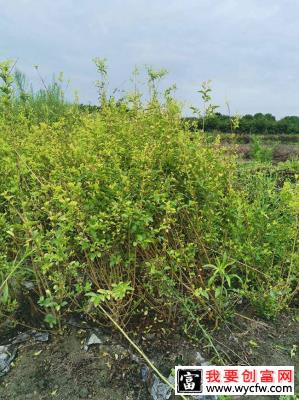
(127, 209)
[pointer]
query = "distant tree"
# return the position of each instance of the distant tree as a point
(258, 123)
(288, 125)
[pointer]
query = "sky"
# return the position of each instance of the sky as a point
(249, 49)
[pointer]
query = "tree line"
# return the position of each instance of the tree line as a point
(248, 124)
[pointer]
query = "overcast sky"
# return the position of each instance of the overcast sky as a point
(248, 48)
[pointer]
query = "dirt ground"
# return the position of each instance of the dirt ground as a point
(259, 342)
(61, 369)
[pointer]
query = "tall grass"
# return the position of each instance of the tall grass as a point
(46, 104)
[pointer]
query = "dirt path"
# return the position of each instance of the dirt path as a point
(61, 369)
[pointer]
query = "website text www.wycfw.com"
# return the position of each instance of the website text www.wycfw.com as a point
(234, 380)
(254, 389)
